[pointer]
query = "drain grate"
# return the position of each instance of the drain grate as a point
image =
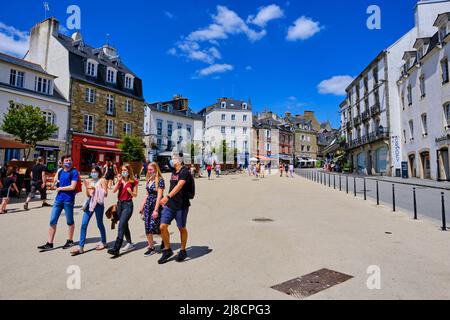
(312, 283)
(263, 220)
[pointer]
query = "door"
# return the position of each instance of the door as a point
(443, 164)
(412, 166)
(426, 165)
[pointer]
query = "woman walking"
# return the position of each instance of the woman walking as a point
(281, 169)
(151, 208)
(127, 187)
(110, 171)
(209, 169)
(8, 189)
(96, 192)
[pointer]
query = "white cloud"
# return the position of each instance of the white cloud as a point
(303, 28)
(248, 68)
(214, 69)
(226, 22)
(192, 51)
(169, 15)
(265, 15)
(13, 41)
(335, 85)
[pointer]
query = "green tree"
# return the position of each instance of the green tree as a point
(132, 149)
(28, 125)
(194, 149)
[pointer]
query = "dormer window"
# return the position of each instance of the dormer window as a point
(420, 53)
(159, 106)
(442, 33)
(244, 106)
(170, 108)
(43, 85)
(111, 75)
(91, 68)
(129, 81)
(223, 105)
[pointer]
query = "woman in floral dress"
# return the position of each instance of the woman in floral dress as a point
(151, 208)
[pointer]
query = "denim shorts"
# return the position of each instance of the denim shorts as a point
(168, 215)
(58, 207)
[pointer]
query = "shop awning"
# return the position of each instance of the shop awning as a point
(99, 148)
(263, 158)
(285, 157)
(12, 144)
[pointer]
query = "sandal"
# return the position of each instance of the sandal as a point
(76, 252)
(100, 247)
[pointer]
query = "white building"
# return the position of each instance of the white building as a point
(231, 121)
(26, 83)
(424, 89)
(371, 116)
(170, 127)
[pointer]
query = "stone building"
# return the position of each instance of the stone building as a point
(106, 97)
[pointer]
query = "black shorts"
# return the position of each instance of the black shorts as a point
(37, 186)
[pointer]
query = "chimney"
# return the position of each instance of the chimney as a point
(40, 41)
(288, 115)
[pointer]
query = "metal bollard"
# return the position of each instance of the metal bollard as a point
(340, 183)
(415, 203)
(334, 181)
(346, 183)
(365, 190)
(378, 195)
(444, 223)
(329, 180)
(354, 185)
(393, 197)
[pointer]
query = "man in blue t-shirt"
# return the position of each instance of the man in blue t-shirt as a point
(65, 199)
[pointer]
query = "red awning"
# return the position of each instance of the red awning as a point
(99, 148)
(12, 144)
(263, 158)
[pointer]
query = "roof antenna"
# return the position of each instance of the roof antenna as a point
(46, 9)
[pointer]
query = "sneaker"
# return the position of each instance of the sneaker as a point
(165, 256)
(161, 248)
(114, 253)
(129, 247)
(45, 247)
(69, 244)
(45, 204)
(25, 206)
(182, 255)
(150, 252)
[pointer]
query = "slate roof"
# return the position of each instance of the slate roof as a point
(79, 53)
(55, 96)
(23, 63)
(184, 113)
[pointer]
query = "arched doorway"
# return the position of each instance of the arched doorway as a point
(412, 166)
(426, 164)
(443, 164)
(361, 163)
(381, 160)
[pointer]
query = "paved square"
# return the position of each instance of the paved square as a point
(234, 257)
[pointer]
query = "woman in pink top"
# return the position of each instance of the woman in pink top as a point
(96, 191)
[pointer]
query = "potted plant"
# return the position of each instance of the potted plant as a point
(133, 152)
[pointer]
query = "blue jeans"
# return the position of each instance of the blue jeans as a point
(58, 207)
(99, 210)
(124, 213)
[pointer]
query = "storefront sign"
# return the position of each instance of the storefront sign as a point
(396, 152)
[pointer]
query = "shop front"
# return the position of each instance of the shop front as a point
(88, 150)
(50, 154)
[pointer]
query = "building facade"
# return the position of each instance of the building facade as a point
(266, 138)
(171, 126)
(371, 116)
(424, 89)
(228, 120)
(26, 83)
(106, 97)
(305, 136)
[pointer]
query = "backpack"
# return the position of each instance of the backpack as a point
(79, 187)
(190, 186)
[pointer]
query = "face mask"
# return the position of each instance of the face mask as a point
(125, 174)
(152, 176)
(68, 164)
(94, 176)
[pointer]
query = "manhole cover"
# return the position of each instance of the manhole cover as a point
(262, 220)
(312, 283)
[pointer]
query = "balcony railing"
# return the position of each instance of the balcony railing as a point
(365, 115)
(369, 138)
(375, 110)
(357, 120)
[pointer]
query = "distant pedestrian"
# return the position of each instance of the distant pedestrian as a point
(96, 191)
(7, 189)
(127, 188)
(291, 170)
(263, 170)
(218, 170)
(269, 167)
(209, 169)
(281, 169)
(38, 183)
(151, 208)
(286, 170)
(110, 172)
(66, 191)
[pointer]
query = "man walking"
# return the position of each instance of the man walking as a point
(65, 199)
(176, 206)
(38, 183)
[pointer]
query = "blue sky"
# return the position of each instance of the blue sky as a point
(274, 52)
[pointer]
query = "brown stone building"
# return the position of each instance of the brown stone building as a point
(106, 97)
